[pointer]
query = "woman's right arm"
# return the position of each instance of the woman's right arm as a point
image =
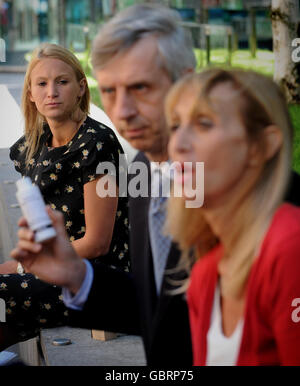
(99, 213)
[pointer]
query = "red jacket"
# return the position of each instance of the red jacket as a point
(271, 334)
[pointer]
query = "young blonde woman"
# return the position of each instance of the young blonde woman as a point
(60, 152)
(244, 290)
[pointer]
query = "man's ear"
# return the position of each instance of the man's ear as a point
(189, 70)
(273, 139)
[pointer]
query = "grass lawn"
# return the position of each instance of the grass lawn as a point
(264, 63)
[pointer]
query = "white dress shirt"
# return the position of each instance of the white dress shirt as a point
(77, 302)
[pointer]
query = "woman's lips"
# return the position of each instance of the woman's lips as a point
(54, 104)
(183, 172)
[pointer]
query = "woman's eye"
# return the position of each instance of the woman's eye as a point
(174, 127)
(205, 122)
(41, 84)
(63, 81)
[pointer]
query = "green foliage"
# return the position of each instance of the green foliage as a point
(85, 61)
(264, 61)
(295, 115)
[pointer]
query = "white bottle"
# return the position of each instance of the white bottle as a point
(33, 209)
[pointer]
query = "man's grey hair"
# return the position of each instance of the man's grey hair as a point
(174, 43)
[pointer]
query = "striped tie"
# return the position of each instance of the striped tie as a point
(160, 244)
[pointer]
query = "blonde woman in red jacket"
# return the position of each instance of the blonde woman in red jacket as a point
(244, 291)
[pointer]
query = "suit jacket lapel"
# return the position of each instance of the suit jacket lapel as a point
(142, 264)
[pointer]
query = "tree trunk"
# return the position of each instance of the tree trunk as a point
(284, 15)
(62, 23)
(253, 36)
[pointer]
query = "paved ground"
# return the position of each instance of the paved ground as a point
(14, 83)
(125, 350)
(7, 175)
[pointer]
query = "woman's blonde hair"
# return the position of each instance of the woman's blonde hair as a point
(34, 121)
(260, 104)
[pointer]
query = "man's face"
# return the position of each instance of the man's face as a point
(133, 86)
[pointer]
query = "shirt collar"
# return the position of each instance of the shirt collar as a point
(162, 166)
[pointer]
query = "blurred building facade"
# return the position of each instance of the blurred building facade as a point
(26, 23)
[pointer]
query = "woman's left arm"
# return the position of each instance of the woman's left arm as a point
(99, 213)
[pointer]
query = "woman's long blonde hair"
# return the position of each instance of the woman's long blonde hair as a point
(261, 104)
(34, 121)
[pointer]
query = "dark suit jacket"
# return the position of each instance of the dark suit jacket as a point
(128, 303)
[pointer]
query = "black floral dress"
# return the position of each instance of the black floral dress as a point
(61, 173)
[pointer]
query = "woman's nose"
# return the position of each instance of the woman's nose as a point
(182, 139)
(52, 90)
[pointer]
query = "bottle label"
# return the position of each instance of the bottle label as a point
(33, 208)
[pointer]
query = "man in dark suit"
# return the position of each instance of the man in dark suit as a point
(136, 58)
